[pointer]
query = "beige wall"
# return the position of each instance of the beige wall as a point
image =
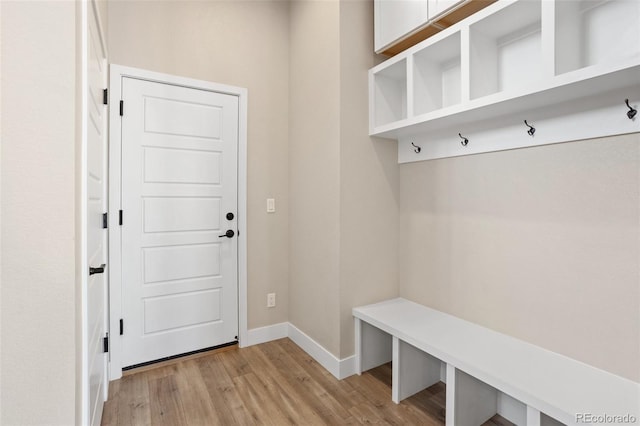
(368, 180)
(37, 209)
(241, 43)
(542, 244)
(343, 184)
(314, 170)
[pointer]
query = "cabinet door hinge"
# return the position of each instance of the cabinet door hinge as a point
(120, 217)
(105, 220)
(105, 96)
(121, 108)
(105, 343)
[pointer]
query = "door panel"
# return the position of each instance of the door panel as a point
(96, 194)
(179, 180)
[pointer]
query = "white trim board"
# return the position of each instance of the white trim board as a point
(592, 117)
(340, 368)
(117, 73)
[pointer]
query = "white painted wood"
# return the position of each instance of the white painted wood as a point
(396, 18)
(595, 116)
(413, 370)
(512, 409)
(118, 74)
(94, 308)
(390, 94)
(375, 347)
(533, 416)
(172, 228)
(450, 403)
(475, 401)
(591, 32)
(267, 333)
(339, 368)
(549, 382)
(437, 8)
(437, 76)
(520, 58)
(357, 324)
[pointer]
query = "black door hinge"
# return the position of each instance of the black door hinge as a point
(105, 96)
(121, 326)
(105, 343)
(120, 217)
(121, 108)
(105, 220)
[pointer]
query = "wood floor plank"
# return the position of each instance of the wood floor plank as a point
(133, 401)
(227, 403)
(195, 398)
(165, 404)
(275, 383)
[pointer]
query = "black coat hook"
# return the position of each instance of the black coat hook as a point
(532, 130)
(464, 140)
(417, 148)
(632, 112)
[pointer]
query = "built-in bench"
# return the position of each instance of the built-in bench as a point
(486, 372)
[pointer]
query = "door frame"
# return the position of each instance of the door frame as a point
(117, 72)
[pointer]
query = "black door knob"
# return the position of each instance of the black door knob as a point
(230, 216)
(228, 234)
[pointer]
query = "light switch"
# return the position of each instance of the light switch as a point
(271, 205)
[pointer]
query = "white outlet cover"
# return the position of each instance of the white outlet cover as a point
(271, 205)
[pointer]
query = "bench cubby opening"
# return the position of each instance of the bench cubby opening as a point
(548, 421)
(471, 402)
(413, 370)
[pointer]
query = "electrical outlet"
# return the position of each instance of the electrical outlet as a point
(271, 300)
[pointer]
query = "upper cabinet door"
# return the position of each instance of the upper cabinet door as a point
(438, 7)
(397, 18)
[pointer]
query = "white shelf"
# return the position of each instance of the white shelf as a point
(513, 57)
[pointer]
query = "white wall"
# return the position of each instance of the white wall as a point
(37, 209)
(541, 243)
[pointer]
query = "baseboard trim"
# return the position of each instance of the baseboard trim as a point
(339, 368)
(255, 336)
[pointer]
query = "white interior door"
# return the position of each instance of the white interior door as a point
(179, 228)
(95, 320)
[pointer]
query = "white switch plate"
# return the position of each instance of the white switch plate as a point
(271, 205)
(271, 300)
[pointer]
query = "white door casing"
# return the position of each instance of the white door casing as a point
(94, 291)
(175, 155)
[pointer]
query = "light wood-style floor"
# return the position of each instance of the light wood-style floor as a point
(274, 383)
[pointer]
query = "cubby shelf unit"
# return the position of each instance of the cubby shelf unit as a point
(516, 59)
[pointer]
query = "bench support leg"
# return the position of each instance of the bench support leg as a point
(469, 401)
(533, 417)
(413, 370)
